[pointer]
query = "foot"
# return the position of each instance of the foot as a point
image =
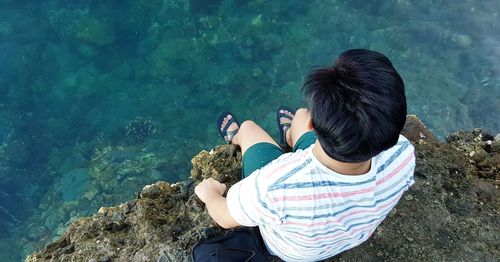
(231, 130)
(285, 122)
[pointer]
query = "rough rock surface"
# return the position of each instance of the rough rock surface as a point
(450, 214)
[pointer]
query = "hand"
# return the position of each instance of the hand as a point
(208, 188)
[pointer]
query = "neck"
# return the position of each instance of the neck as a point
(338, 166)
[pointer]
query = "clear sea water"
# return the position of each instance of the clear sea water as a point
(99, 98)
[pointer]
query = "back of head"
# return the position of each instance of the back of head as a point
(358, 106)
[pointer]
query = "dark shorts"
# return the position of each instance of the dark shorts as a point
(263, 153)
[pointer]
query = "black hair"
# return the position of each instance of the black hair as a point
(357, 106)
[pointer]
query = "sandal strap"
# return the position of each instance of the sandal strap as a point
(284, 129)
(287, 116)
(230, 134)
(286, 125)
(229, 122)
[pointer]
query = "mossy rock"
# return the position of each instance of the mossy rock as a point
(92, 30)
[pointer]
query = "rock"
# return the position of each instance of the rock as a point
(128, 206)
(73, 184)
(87, 50)
(222, 163)
(118, 217)
(478, 155)
(38, 232)
(92, 30)
(170, 58)
(16, 153)
(272, 42)
(462, 40)
(448, 214)
(83, 204)
(204, 7)
(486, 191)
(77, 25)
(151, 191)
(495, 146)
(5, 28)
(408, 197)
(244, 53)
(415, 130)
(139, 130)
(486, 174)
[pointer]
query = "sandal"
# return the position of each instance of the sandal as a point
(283, 127)
(227, 135)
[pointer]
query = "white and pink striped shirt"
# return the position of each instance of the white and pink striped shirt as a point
(307, 212)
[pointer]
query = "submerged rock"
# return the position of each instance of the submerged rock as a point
(73, 184)
(462, 40)
(5, 28)
(78, 25)
(139, 130)
(92, 30)
(163, 223)
(451, 213)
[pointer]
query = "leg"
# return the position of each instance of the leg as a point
(300, 126)
(257, 146)
(250, 134)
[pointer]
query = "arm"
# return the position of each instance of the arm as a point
(210, 191)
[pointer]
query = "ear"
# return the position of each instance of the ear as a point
(309, 124)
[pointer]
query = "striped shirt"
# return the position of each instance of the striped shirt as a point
(307, 212)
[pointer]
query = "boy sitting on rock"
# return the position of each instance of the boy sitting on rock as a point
(348, 167)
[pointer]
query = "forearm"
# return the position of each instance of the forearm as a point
(218, 210)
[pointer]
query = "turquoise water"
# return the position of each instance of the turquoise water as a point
(99, 98)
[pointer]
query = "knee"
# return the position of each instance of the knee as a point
(302, 113)
(247, 125)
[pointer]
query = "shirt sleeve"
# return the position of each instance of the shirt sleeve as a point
(250, 204)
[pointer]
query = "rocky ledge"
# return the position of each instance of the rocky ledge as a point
(450, 214)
